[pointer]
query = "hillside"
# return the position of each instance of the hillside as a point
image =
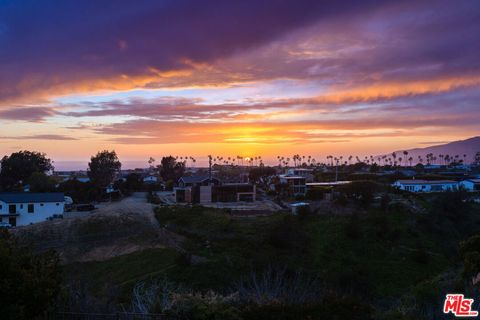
(113, 230)
(466, 147)
(372, 260)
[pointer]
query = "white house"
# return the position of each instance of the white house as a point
(20, 209)
(296, 184)
(150, 179)
(426, 185)
(471, 184)
(301, 172)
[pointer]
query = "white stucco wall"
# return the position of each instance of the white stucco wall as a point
(468, 185)
(41, 211)
(426, 187)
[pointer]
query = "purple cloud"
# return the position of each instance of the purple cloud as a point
(30, 114)
(41, 137)
(52, 44)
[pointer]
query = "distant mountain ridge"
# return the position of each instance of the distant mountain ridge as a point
(468, 147)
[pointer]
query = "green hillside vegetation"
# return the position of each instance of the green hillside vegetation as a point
(374, 260)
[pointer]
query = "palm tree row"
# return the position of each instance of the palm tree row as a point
(297, 160)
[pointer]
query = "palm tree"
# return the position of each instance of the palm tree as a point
(151, 163)
(405, 153)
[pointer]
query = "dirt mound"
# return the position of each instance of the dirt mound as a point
(112, 230)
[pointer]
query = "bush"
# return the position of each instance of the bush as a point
(420, 256)
(332, 308)
(316, 193)
(30, 283)
(288, 234)
(299, 197)
(341, 200)
(304, 212)
(169, 185)
(352, 228)
(385, 201)
(470, 253)
(208, 306)
(361, 191)
(183, 260)
(451, 204)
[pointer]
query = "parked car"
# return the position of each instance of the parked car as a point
(5, 225)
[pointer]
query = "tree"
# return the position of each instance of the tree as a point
(40, 182)
(470, 253)
(360, 191)
(30, 283)
(256, 175)
(19, 166)
(170, 169)
(103, 167)
(134, 182)
(405, 153)
(79, 191)
(476, 159)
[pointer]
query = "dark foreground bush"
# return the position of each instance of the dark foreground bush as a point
(30, 283)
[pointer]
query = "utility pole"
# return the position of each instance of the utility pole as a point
(210, 170)
(336, 171)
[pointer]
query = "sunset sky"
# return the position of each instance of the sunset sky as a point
(249, 77)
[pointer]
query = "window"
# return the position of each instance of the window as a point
(31, 208)
(12, 209)
(21, 206)
(41, 204)
(57, 204)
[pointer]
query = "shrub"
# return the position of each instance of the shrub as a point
(169, 185)
(352, 227)
(30, 283)
(288, 235)
(304, 212)
(316, 193)
(420, 256)
(361, 191)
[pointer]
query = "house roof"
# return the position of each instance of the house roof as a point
(24, 197)
(287, 176)
(195, 179)
(299, 204)
(474, 180)
(332, 183)
(417, 182)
